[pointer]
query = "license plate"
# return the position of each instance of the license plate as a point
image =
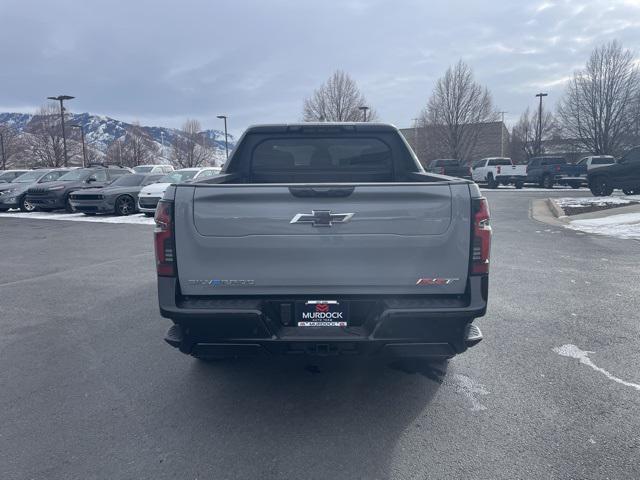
(322, 313)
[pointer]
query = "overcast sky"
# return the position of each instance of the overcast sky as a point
(256, 60)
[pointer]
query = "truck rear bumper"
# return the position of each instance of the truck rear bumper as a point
(409, 326)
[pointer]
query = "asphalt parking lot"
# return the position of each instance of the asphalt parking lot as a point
(90, 390)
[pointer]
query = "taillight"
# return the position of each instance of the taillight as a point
(441, 170)
(499, 169)
(481, 237)
(164, 243)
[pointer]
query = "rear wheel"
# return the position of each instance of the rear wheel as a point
(574, 185)
(547, 181)
(125, 205)
(519, 184)
(600, 187)
(26, 206)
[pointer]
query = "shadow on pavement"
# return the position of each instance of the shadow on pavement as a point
(300, 418)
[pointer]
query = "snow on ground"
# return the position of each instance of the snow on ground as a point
(510, 188)
(577, 202)
(625, 225)
(139, 219)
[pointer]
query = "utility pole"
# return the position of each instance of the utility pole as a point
(364, 109)
(226, 136)
(61, 99)
(539, 139)
(162, 140)
(415, 134)
(502, 134)
(84, 151)
(4, 159)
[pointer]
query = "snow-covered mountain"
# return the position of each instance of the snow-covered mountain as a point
(101, 131)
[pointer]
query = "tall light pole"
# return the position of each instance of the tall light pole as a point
(539, 139)
(415, 134)
(226, 142)
(4, 160)
(502, 134)
(61, 99)
(84, 151)
(364, 109)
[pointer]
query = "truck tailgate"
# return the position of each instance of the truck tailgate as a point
(276, 239)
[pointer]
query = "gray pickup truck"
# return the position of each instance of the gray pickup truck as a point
(323, 239)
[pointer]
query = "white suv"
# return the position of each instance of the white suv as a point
(149, 169)
(150, 195)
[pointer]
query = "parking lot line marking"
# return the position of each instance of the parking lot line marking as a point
(572, 351)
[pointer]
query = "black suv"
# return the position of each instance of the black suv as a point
(55, 195)
(624, 174)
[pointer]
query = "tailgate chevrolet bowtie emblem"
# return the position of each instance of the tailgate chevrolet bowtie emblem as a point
(322, 218)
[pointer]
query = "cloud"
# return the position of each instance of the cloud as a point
(256, 61)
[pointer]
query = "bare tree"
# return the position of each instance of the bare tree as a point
(525, 134)
(189, 146)
(44, 137)
(454, 110)
(337, 100)
(137, 147)
(12, 145)
(597, 107)
(113, 155)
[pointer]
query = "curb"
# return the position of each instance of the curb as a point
(555, 209)
(542, 212)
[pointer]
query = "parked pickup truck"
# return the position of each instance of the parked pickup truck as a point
(549, 170)
(495, 171)
(449, 167)
(323, 239)
(623, 174)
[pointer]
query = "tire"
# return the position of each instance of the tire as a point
(519, 184)
(67, 205)
(574, 185)
(149, 214)
(491, 182)
(547, 181)
(26, 206)
(125, 205)
(601, 187)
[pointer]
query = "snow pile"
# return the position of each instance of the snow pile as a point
(626, 225)
(138, 219)
(591, 201)
(510, 188)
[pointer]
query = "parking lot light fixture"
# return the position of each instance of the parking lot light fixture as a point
(539, 135)
(226, 136)
(61, 99)
(4, 160)
(364, 109)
